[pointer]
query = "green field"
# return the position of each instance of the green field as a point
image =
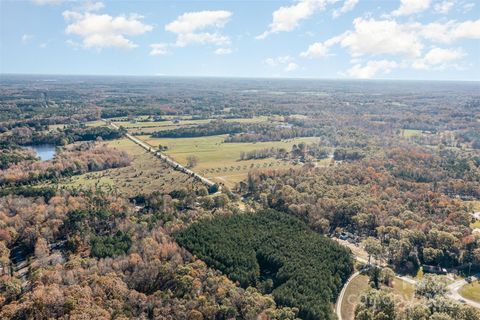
(403, 290)
(408, 133)
(138, 126)
(219, 161)
(471, 291)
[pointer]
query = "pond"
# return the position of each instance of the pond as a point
(44, 151)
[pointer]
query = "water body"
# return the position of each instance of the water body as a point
(44, 151)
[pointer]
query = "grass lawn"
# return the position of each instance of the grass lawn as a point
(56, 126)
(352, 296)
(145, 175)
(407, 133)
(471, 291)
(96, 123)
(219, 161)
(475, 225)
(403, 290)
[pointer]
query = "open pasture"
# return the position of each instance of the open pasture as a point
(140, 125)
(220, 161)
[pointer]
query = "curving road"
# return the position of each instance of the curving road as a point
(453, 293)
(338, 305)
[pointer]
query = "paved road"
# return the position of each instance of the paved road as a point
(453, 289)
(175, 165)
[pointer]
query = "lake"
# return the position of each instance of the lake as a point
(44, 151)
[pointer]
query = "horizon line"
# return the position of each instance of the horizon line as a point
(233, 77)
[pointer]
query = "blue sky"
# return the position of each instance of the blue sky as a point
(397, 39)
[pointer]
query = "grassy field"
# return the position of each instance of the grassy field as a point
(403, 290)
(407, 133)
(138, 126)
(475, 225)
(352, 296)
(145, 175)
(471, 291)
(97, 123)
(219, 161)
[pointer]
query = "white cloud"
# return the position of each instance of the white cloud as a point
(438, 57)
(93, 6)
(450, 31)
(371, 69)
(444, 7)
(202, 38)
(291, 66)
(348, 5)
(321, 49)
(26, 38)
(315, 50)
(187, 25)
(158, 49)
(47, 2)
(408, 7)
(378, 37)
(285, 62)
(192, 21)
(288, 18)
(223, 51)
(102, 30)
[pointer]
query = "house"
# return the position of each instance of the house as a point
(434, 269)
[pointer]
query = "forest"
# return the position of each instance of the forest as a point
(276, 253)
(72, 160)
(92, 256)
(60, 137)
(108, 230)
(408, 200)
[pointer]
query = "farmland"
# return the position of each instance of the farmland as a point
(220, 161)
(217, 160)
(142, 124)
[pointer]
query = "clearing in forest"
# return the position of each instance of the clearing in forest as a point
(220, 161)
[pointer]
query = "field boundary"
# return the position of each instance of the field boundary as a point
(175, 165)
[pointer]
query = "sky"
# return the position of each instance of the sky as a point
(328, 39)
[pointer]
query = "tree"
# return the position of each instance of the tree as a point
(386, 276)
(376, 304)
(373, 247)
(192, 161)
(431, 286)
(220, 200)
